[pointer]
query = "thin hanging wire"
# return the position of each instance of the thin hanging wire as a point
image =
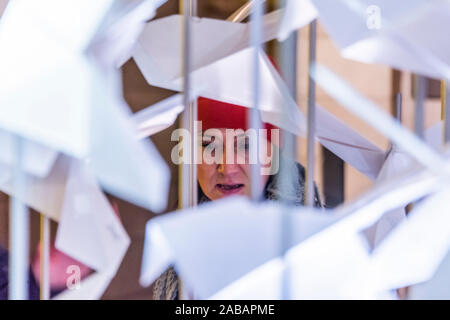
(45, 257)
(419, 109)
(289, 174)
(187, 169)
(311, 121)
(187, 174)
(19, 233)
(254, 118)
(445, 92)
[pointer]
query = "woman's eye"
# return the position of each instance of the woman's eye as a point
(243, 146)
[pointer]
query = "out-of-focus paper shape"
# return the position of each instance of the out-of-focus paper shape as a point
(251, 286)
(434, 136)
(159, 116)
(157, 55)
(396, 164)
(45, 195)
(229, 237)
(396, 33)
(412, 253)
(38, 159)
(438, 288)
(350, 276)
(88, 220)
(366, 110)
(332, 263)
(297, 14)
(120, 29)
(89, 229)
(335, 263)
(76, 106)
(126, 166)
(348, 144)
(160, 63)
(3, 4)
(59, 89)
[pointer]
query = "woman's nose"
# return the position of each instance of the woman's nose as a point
(227, 167)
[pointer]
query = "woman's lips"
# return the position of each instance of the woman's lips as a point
(229, 189)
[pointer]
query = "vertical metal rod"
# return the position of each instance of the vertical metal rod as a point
(419, 114)
(193, 128)
(311, 126)
(289, 174)
(186, 176)
(445, 93)
(19, 233)
(194, 146)
(187, 182)
(398, 107)
(45, 258)
(254, 119)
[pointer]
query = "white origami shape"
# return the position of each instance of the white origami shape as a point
(297, 14)
(332, 259)
(159, 116)
(38, 160)
(396, 33)
(216, 243)
(76, 107)
(366, 110)
(412, 253)
(3, 4)
(396, 165)
(436, 288)
(89, 230)
(217, 63)
(336, 263)
(218, 74)
(60, 93)
(120, 28)
(348, 144)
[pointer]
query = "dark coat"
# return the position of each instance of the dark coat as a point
(33, 288)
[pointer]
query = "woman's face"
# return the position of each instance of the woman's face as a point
(230, 176)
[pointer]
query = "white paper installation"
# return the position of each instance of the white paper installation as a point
(61, 95)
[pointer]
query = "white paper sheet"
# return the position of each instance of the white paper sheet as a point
(38, 160)
(160, 63)
(3, 4)
(396, 33)
(91, 232)
(348, 144)
(73, 105)
(45, 195)
(369, 112)
(159, 116)
(297, 14)
(121, 28)
(396, 165)
(89, 229)
(217, 243)
(436, 288)
(412, 253)
(125, 166)
(336, 263)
